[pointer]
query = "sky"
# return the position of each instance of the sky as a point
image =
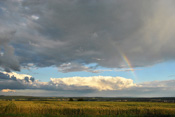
(94, 48)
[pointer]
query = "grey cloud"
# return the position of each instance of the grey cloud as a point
(8, 81)
(4, 76)
(11, 84)
(8, 60)
(137, 92)
(26, 79)
(73, 67)
(171, 76)
(77, 31)
(32, 79)
(168, 83)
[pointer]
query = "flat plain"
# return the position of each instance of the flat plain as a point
(85, 108)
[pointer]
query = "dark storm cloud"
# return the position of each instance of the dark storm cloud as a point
(58, 32)
(8, 60)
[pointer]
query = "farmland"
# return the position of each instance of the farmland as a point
(55, 108)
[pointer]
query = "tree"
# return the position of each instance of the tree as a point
(80, 99)
(71, 99)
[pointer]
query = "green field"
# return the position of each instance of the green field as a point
(55, 108)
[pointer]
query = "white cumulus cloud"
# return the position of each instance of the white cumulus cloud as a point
(95, 82)
(85, 86)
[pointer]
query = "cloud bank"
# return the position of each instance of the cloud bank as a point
(7, 90)
(96, 82)
(105, 86)
(54, 33)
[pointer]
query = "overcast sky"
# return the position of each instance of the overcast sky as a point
(87, 47)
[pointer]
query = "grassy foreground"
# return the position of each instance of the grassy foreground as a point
(55, 108)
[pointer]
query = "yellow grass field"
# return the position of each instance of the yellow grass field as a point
(74, 108)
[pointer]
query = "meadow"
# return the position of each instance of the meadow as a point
(85, 108)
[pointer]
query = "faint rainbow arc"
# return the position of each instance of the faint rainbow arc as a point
(128, 63)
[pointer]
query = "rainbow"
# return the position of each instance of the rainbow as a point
(128, 63)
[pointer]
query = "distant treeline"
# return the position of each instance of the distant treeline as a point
(118, 99)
